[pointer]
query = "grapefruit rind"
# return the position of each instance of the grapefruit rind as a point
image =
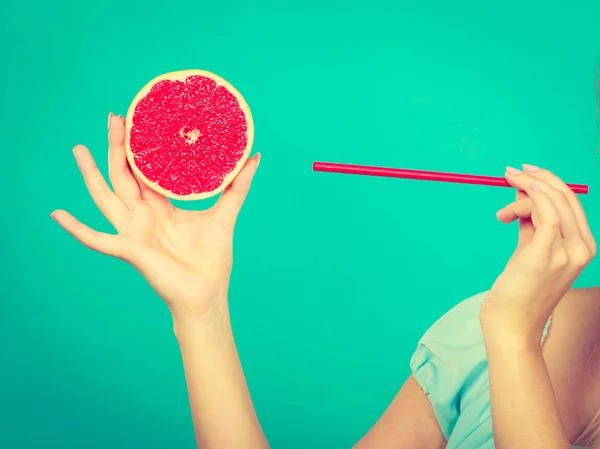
(182, 75)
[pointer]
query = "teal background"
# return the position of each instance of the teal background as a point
(336, 277)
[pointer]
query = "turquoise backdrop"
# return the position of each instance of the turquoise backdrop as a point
(336, 277)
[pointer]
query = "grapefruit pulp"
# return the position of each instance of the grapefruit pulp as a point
(188, 134)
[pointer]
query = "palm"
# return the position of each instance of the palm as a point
(185, 255)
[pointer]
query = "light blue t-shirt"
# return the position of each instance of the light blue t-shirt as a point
(450, 364)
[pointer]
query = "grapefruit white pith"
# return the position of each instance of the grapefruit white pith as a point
(188, 134)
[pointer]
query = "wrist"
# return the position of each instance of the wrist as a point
(509, 332)
(211, 322)
(510, 339)
(516, 325)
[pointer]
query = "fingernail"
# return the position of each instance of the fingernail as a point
(120, 116)
(528, 167)
(535, 187)
(257, 159)
(110, 116)
(513, 171)
(52, 216)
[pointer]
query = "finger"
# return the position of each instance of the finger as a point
(522, 210)
(568, 223)
(147, 194)
(120, 174)
(526, 225)
(519, 209)
(548, 228)
(157, 200)
(108, 203)
(553, 180)
(233, 196)
(98, 241)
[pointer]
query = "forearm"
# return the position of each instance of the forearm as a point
(524, 409)
(222, 410)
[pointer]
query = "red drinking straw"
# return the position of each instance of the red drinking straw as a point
(424, 175)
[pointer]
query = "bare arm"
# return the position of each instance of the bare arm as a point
(222, 409)
(408, 423)
(524, 409)
(555, 244)
(186, 257)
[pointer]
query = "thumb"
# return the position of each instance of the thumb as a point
(522, 210)
(519, 209)
(232, 198)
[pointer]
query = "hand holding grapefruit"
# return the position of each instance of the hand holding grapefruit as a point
(186, 256)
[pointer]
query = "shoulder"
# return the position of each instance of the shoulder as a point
(572, 355)
(573, 338)
(467, 309)
(458, 327)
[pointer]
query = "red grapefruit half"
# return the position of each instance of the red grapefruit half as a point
(188, 134)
